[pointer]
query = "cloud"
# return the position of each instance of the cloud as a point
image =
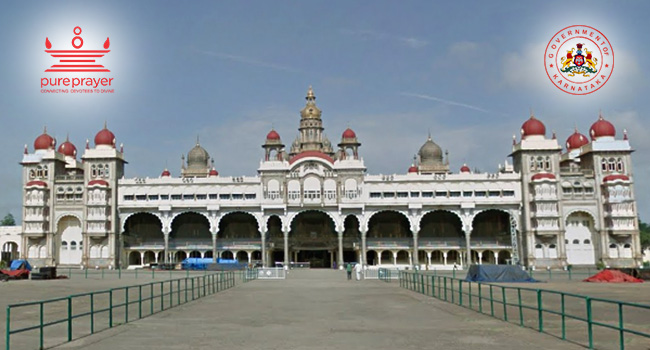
(447, 102)
(412, 42)
(247, 60)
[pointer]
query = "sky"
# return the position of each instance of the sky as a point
(468, 72)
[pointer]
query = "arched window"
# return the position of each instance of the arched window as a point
(552, 246)
(538, 246)
(586, 241)
(540, 163)
(627, 245)
(619, 165)
(613, 246)
(532, 163)
(547, 163)
(604, 164)
(73, 245)
(64, 245)
(612, 164)
(576, 241)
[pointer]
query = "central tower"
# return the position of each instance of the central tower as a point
(311, 137)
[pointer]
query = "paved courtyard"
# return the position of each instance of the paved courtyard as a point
(318, 309)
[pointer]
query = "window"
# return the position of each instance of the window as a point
(402, 194)
(619, 165)
(201, 197)
(480, 193)
(237, 196)
(566, 241)
(64, 245)
(547, 163)
(612, 246)
(250, 196)
(415, 194)
(176, 197)
(627, 245)
(224, 196)
(454, 194)
(164, 197)
(427, 194)
(538, 246)
(375, 195)
(604, 165)
(141, 197)
(153, 197)
(129, 197)
(552, 246)
(467, 193)
(73, 245)
(389, 194)
(576, 241)
(586, 241)
(494, 193)
(441, 193)
(508, 193)
(78, 196)
(213, 196)
(188, 197)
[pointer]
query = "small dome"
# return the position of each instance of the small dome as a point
(465, 169)
(349, 134)
(413, 169)
(36, 183)
(602, 128)
(543, 176)
(576, 140)
(44, 141)
(166, 173)
(105, 137)
(198, 157)
(68, 149)
(100, 182)
(533, 126)
(616, 177)
(273, 135)
(430, 153)
(214, 172)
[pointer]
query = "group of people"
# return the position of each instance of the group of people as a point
(358, 269)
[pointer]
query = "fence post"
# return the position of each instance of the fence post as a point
(521, 311)
(8, 332)
(119, 273)
(590, 330)
(453, 297)
(620, 326)
(192, 288)
(470, 294)
(41, 327)
(540, 312)
(171, 293)
(92, 313)
(69, 318)
(86, 272)
(563, 318)
(110, 308)
(139, 301)
(445, 287)
(491, 302)
(178, 292)
(186, 289)
(505, 309)
(480, 297)
(162, 298)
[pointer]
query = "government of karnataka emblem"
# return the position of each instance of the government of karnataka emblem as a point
(578, 61)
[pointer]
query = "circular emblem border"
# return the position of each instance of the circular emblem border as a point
(546, 68)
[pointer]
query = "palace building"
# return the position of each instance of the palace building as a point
(313, 201)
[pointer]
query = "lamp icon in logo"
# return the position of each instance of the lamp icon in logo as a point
(77, 60)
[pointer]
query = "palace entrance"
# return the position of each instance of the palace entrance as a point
(313, 239)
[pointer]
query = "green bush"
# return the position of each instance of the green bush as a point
(600, 265)
(3, 264)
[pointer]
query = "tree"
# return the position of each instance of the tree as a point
(8, 220)
(644, 230)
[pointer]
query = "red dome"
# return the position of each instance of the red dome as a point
(602, 128)
(616, 177)
(44, 141)
(542, 176)
(273, 135)
(37, 183)
(214, 172)
(533, 126)
(413, 169)
(166, 173)
(105, 137)
(465, 169)
(349, 134)
(576, 140)
(68, 149)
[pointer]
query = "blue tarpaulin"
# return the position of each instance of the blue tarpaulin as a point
(196, 263)
(497, 273)
(20, 264)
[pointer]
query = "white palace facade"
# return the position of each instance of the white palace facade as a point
(314, 202)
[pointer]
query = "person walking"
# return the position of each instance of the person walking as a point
(348, 268)
(357, 269)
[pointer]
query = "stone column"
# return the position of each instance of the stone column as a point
(496, 258)
(394, 258)
(340, 255)
(416, 258)
(379, 257)
(142, 258)
(428, 259)
(286, 249)
(480, 258)
(468, 250)
(364, 250)
(214, 247)
(263, 249)
(166, 260)
(444, 258)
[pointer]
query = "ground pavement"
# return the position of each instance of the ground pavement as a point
(318, 309)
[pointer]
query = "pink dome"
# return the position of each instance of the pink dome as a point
(166, 173)
(349, 134)
(68, 149)
(542, 176)
(413, 169)
(602, 128)
(616, 177)
(465, 169)
(105, 137)
(214, 172)
(533, 126)
(44, 141)
(273, 135)
(576, 140)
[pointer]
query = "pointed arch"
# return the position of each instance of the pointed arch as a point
(290, 221)
(190, 226)
(239, 224)
(441, 225)
(492, 225)
(389, 224)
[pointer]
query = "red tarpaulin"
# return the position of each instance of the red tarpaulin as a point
(612, 276)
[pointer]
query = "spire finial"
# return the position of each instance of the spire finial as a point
(26, 151)
(45, 129)
(514, 139)
(197, 140)
(310, 94)
(624, 134)
(105, 126)
(67, 137)
(600, 114)
(554, 136)
(532, 115)
(575, 128)
(429, 134)
(87, 144)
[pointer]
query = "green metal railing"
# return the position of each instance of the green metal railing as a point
(581, 319)
(385, 274)
(61, 320)
(248, 275)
